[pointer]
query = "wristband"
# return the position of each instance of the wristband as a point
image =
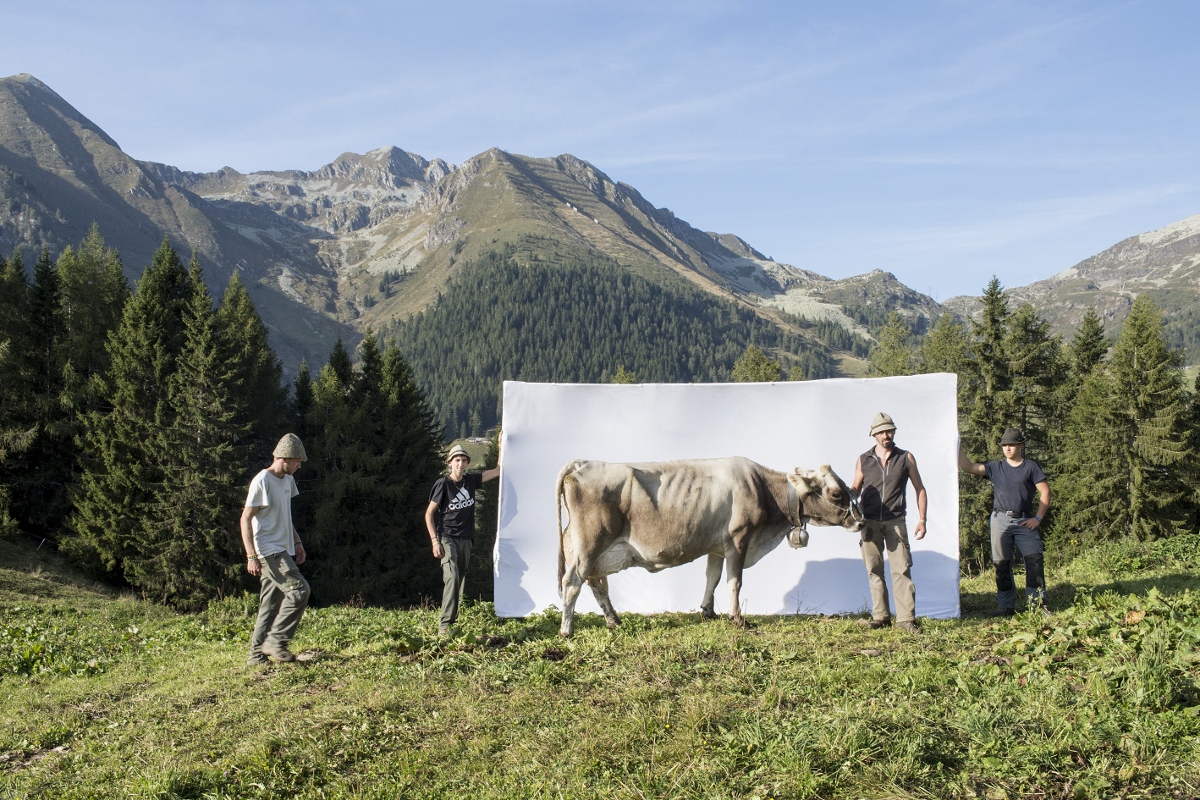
(1035, 516)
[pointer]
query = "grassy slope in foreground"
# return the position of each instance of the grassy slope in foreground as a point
(127, 699)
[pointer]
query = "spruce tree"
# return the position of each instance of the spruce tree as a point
(372, 460)
(118, 480)
(94, 292)
(892, 354)
(187, 550)
(18, 426)
(1127, 441)
(946, 348)
(1088, 346)
(755, 367)
(42, 501)
(1037, 373)
(257, 395)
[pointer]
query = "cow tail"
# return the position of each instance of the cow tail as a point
(567, 469)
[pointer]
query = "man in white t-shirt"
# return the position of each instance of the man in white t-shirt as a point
(273, 549)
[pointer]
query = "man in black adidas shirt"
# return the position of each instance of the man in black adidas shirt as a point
(452, 503)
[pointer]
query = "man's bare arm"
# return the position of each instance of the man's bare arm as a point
(494, 472)
(967, 465)
(252, 565)
(431, 526)
(914, 475)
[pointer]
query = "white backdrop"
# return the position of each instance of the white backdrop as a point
(779, 425)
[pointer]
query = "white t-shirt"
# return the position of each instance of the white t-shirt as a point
(272, 525)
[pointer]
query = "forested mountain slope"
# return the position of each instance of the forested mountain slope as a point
(368, 240)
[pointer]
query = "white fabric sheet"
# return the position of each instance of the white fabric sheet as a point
(779, 425)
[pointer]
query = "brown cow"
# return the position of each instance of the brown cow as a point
(665, 514)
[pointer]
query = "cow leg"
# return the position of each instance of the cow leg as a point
(713, 576)
(599, 584)
(572, 584)
(734, 561)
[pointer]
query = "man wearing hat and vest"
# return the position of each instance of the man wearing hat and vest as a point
(273, 551)
(1013, 523)
(881, 477)
(452, 502)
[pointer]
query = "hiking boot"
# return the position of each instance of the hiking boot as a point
(279, 654)
(1003, 612)
(874, 624)
(909, 625)
(444, 630)
(257, 660)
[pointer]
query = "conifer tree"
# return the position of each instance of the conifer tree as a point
(117, 483)
(18, 427)
(1036, 373)
(983, 391)
(372, 460)
(1127, 441)
(302, 405)
(258, 397)
(187, 549)
(42, 501)
(946, 348)
(1089, 345)
(892, 354)
(755, 367)
(623, 376)
(94, 292)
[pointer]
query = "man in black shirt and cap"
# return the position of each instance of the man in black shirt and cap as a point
(1013, 523)
(452, 501)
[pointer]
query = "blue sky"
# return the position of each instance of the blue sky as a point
(942, 141)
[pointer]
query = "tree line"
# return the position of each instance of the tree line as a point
(132, 419)
(1112, 422)
(572, 317)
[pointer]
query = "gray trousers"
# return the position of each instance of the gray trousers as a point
(891, 534)
(456, 553)
(1007, 533)
(282, 597)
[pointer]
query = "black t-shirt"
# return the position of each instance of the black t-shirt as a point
(456, 505)
(1013, 487)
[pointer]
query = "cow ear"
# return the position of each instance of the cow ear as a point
(826, 469)
(803, 482)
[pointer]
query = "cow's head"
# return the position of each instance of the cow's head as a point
(825, 500)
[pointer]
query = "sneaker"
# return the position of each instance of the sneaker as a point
(443, 630)
(909, 625)
(874, 624)
(279, 654)
(1003, 612)
(257, 660)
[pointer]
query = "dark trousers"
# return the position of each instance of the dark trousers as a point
(1008, 534)
(456, 553)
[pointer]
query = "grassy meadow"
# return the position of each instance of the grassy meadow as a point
(104, 695)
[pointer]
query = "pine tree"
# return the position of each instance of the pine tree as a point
(257, 397)
(946, 348)
(42, 501)
(18, 426)
(892, 355)
(981, 392)
(1127, 440)
(1088, 347)
(372, 460)
(187, 550)
(623, 376)
(116, 487)
(755, 367)
(1037, 373)
(94, 293)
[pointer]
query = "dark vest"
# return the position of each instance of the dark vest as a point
(883, 492)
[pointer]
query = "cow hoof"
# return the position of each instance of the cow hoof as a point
(707, 613)
(742, 624)
(564, 634)
(613, 623)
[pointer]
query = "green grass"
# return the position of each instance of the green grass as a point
(125, 698)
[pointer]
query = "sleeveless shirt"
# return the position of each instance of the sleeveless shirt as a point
(884, 489)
